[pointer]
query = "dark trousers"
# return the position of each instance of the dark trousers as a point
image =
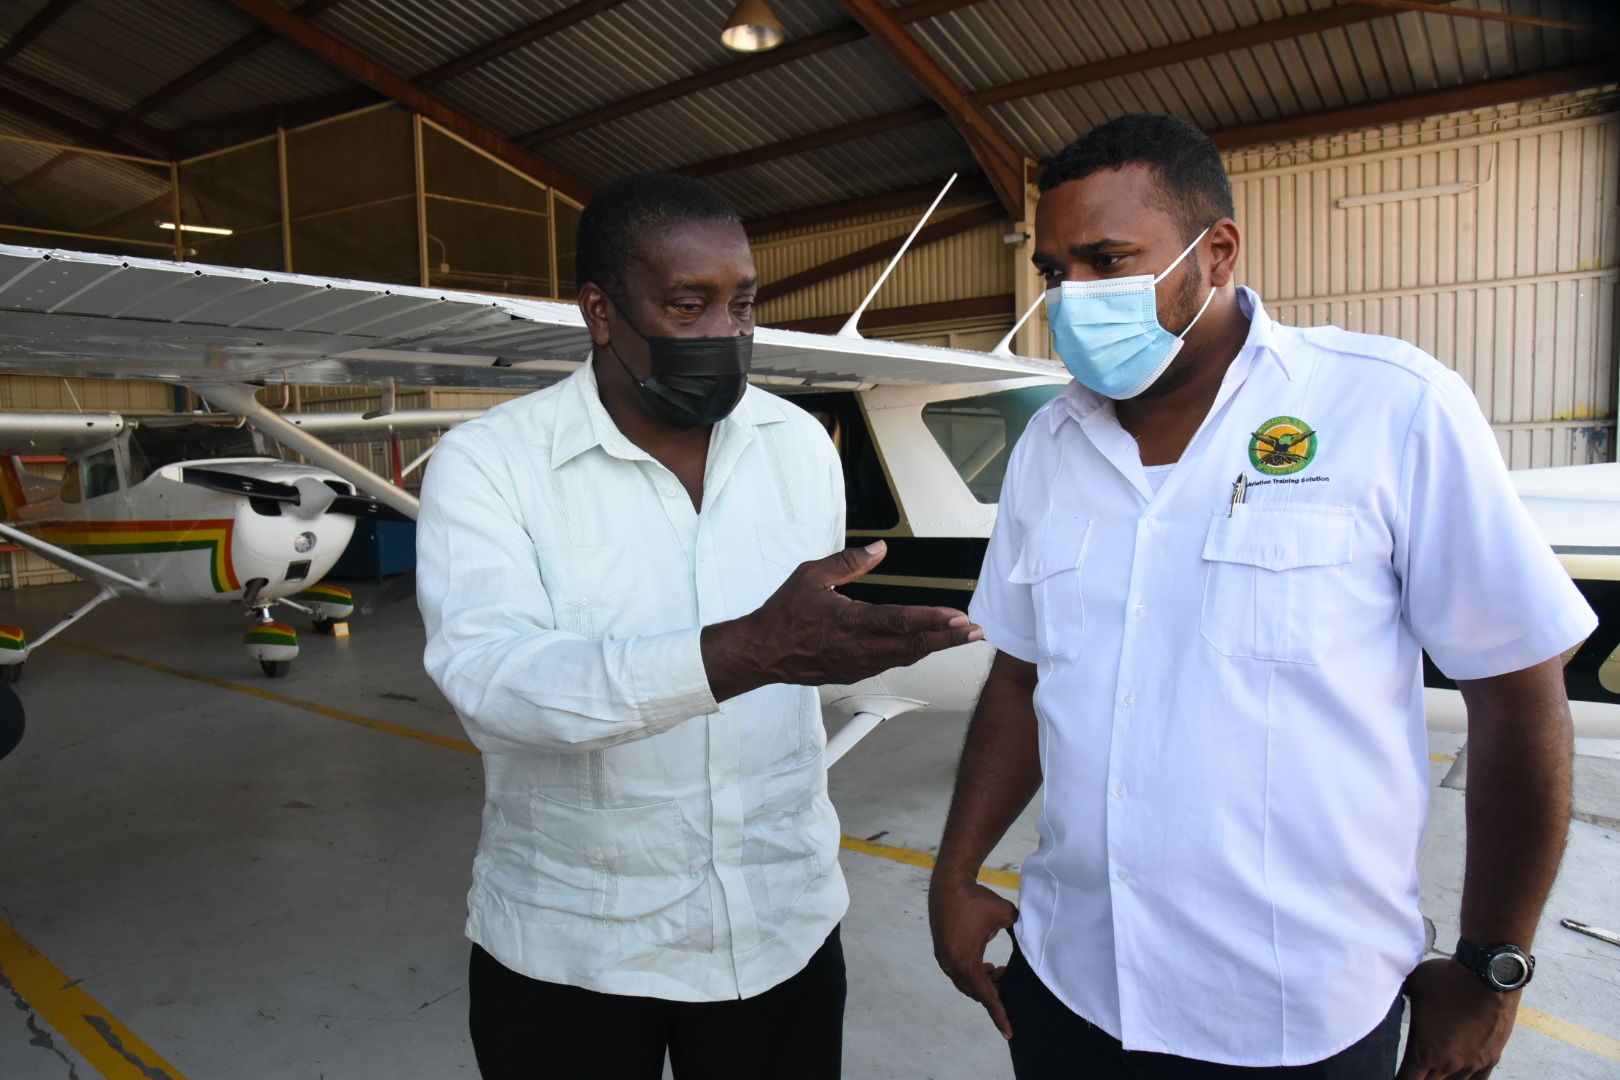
(1050, 1042)
(525, 1029)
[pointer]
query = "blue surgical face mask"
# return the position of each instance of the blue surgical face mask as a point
(1108, 334)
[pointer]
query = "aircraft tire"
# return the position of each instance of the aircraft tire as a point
(275, 669)
(10, 673)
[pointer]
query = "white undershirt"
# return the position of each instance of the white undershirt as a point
(1156, 475)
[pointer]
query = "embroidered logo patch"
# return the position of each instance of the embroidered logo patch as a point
(1282, 445)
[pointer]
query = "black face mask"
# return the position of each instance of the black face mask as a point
(695, 381)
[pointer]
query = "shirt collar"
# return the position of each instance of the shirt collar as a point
(1078, 402)
(583, 423)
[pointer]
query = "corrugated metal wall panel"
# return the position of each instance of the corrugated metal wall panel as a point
(1512, 282)
(971, 264)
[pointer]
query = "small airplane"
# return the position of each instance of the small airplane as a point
(186, 509)
(924, 432)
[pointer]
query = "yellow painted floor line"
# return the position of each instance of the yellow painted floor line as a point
(1444, 759)
(1585, 1038)
(115, 1051)
(449, 742)
(1564, 1031)
(1005, 878)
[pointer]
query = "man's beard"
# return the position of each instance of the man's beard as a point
(1183, 310)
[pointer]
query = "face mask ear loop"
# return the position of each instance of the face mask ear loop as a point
(1183, 255)
(1183, 335)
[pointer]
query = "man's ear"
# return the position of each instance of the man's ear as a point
(1225, 242)
(595, 305)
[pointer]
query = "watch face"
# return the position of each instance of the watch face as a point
(1507, 969)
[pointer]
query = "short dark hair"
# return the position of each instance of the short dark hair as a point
(621, 215)
(1191, 176)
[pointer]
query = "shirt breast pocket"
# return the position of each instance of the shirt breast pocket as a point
(589, 587)
(1275, 578)
(1050, 564)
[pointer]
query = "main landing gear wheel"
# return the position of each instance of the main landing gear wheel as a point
(275, 669)
(10, 673)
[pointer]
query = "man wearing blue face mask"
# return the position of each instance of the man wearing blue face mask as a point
(1220, 555)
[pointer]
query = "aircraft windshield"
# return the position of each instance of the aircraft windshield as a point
(978, 433)
(153, 446)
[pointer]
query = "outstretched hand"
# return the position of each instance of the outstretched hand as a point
(808, 634)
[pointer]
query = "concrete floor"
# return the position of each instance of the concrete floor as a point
(259, 890)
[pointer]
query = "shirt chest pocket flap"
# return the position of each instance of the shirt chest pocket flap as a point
(1275, 578)
(1050, 565)
(589, 586)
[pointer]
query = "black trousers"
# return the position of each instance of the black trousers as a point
(1050, 1042)
(525, 1029)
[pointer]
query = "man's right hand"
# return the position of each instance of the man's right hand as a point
(808, 634)
(964, 916)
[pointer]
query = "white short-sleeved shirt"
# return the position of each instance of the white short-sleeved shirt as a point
(1230, 702)
(638, 838)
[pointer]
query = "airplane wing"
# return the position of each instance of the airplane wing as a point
(106, 316)
(55, 433)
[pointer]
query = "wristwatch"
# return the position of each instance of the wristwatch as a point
(1505, 968)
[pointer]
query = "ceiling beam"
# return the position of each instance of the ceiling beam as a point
(1198, 47)
(973, 185)
(1476, 95)
(362, 68)
(1180, 52)
(1000, 160)
(798, 49)
(883, 249)
(973, 307)
(247, 45)
(872, 125)
(702, 80)
(1476, 13)
(526, 35)
(67, 102)
(42, 20)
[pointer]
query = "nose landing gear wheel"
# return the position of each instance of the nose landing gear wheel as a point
(10, 673)
(275, 669)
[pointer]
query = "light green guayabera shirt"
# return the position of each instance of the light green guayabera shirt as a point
(638, 838)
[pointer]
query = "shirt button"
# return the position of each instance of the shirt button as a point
(1124, 875)
(1128, 701)
(607, 922)
(1119, 792)
(1149, 522)
(598, 856)
(670, 492)
(1138, 609)
(724, 707)
(584, 600)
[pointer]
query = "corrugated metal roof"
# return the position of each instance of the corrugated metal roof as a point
(113, 53)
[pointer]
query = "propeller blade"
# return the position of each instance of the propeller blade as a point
(392, 593)
(235, 484)
(367, 509)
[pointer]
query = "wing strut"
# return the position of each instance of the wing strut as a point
(240, 400)
(848, 329)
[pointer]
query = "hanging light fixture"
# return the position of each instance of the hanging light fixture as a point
(753, 27)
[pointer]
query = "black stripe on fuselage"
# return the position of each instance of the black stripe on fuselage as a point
(929, 556)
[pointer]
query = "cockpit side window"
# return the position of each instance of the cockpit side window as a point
(978, 433)
(100, 472)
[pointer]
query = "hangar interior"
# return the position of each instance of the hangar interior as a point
(1445, 172)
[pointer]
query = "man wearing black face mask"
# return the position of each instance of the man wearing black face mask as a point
(627, 585)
